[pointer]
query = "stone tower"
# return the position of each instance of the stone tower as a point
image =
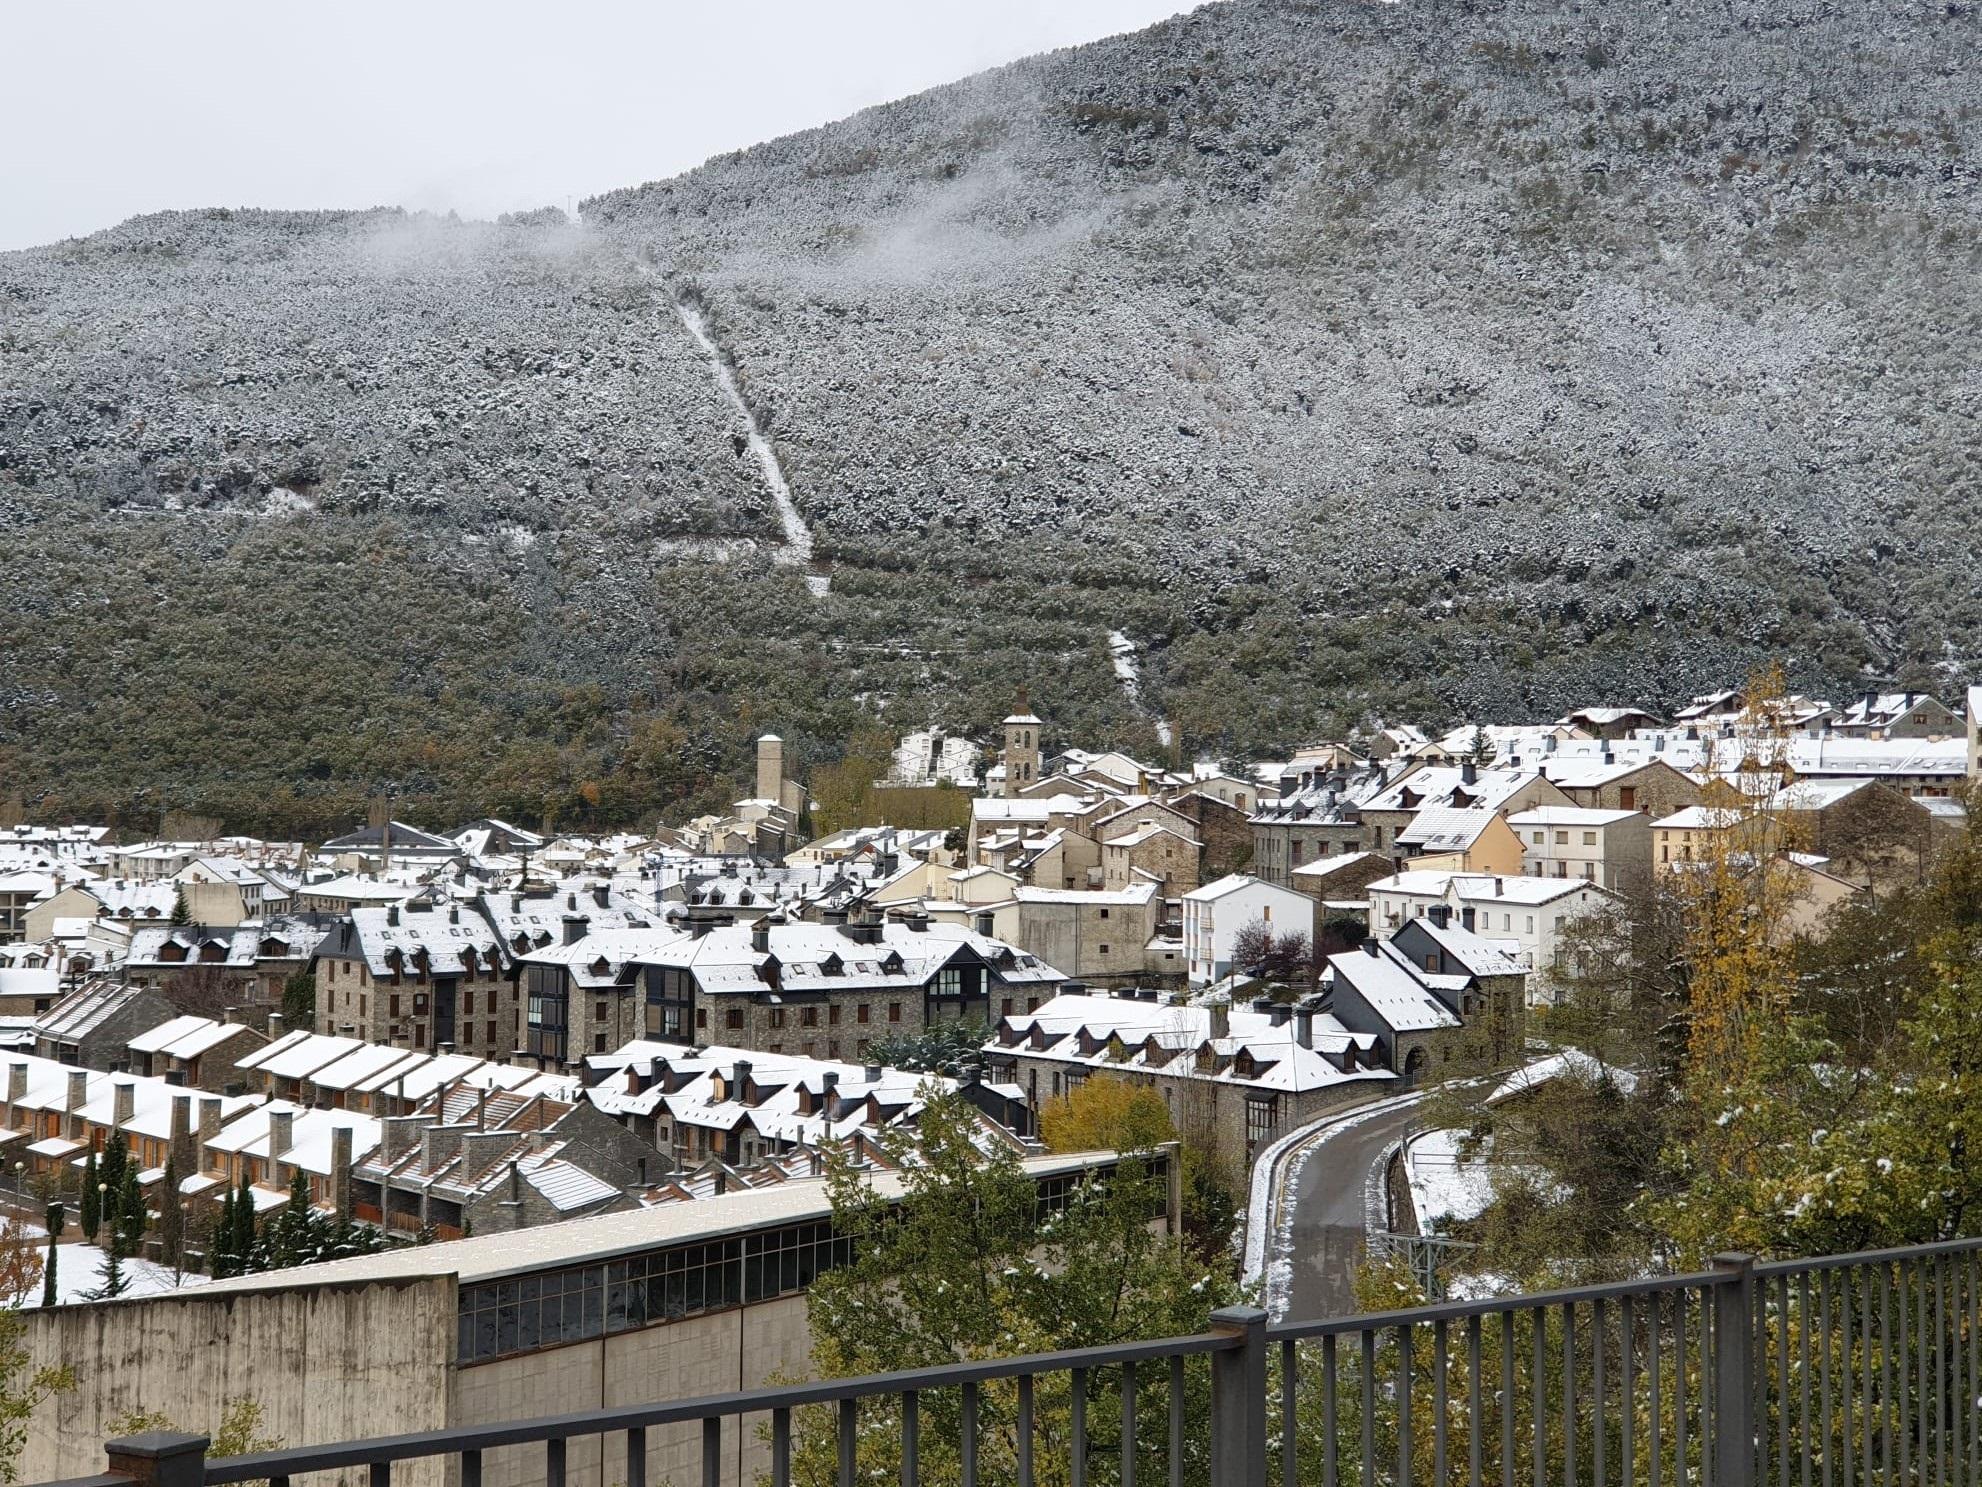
(771, 768)
(1021, 746)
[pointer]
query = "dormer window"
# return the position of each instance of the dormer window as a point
(892, 963)
(832, 965)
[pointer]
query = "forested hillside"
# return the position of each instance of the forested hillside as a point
(1349, 358)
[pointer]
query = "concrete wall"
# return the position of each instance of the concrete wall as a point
(326, 1364)
(739, 1349)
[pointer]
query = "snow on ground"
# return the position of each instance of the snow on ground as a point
(1569, 1061)
(1445, 1183)
(1128, 671)
(79, 1271)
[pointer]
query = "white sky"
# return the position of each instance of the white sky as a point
(109, 110)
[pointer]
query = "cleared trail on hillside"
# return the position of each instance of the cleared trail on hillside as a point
(797, 548)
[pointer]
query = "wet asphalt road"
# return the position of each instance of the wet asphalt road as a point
(1328, 1199)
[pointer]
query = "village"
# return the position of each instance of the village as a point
(490, 1051)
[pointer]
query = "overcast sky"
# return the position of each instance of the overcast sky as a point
(114, 109)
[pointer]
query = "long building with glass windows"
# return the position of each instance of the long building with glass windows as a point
(667, 1302)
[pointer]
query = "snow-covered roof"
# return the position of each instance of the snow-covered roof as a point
(1391, 987)
(1569, 815)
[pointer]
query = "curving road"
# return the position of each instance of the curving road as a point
(1330, 1196)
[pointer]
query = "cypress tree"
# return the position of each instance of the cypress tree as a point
(91, 1211)
(132, 1219)
(220, 1248)
(171, 1219)
(54, 1226)
(243, 1241)
(110, 1173)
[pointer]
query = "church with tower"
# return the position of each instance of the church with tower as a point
(1019, 766)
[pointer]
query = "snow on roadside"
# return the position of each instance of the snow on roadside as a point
(1445, 1182)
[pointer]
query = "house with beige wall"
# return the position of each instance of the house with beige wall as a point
(1442, 839)
(1611, 848)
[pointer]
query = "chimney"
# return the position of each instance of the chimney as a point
(760, 936)
(1468, 773)
(123, 1101)
(454, 913)
(1221, 1018)
(481, 1150)
(340, 1172)
(871, 1073)
(574, 928)
(398, 1134)
(571, 900)
(277, 1026)
(1370, 946)
(1073, 988)
(440, 1144)
(1304, 1028)
(829, 1088)
(1440, 914)
(209, 1120)
(600, 897)
(281, 1134)
(17, 1083)
(392, 913)
(918, 922)
(180, 1144)
(1467, 918)
(78, 1089)
(1499, 887)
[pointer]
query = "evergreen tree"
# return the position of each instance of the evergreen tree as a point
(54, 1224)
(241, 1243)
(220, 1245)
(90, 1198)
(132, 1220)
(110, 1175)
(171, 1218)
(114, 1284)
(181, 915)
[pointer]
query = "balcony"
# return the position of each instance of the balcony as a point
(1851, 1371)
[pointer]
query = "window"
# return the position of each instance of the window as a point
(1627, 797)
(1538, 837)
(894, 1011)
(1562, 839)
(1531, 924)
(833, 1014)
(1005, 1007)
(395, 1005)
(701, 1016)
(777, 1017)
(1104, 913)
(467, 1004)
(860, 1012)
(733, 1019)
(808, 1016)
(492, 1034)
(598, 1042)
(1104, 949)
(1261, 1117)
(1589, 838)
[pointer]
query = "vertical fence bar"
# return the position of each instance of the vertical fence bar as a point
(1077, 1395)
(1538, 1395)
(848, 1418)
(1655, 1369)
(966, 1436)
(471, 1470)
(1024, 1432)
(636, 1460)
(1177, 1422)
(1782, 1381)
(780, 1452)
(1824, 1340)
(1402, 1386)
(1627, 1338)
(1599, 1398)
(1475, 1427)
(1507, 1399)
(1845, 1367)
(1886, 1444)
(1328, 1433)
(1129, 1424)
(1569, 1394)
(1903, 1370)
(1367, 1370)
(1289, 1459)
(1679, 1388)
(1441, 1340)
(553, 1462)
(911, 1439)
(712, 1450)
(1803, 1371)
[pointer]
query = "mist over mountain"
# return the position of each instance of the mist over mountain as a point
(1350, 358)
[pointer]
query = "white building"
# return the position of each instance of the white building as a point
(1523, 916)
(1216, 913)
(1610, 848)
